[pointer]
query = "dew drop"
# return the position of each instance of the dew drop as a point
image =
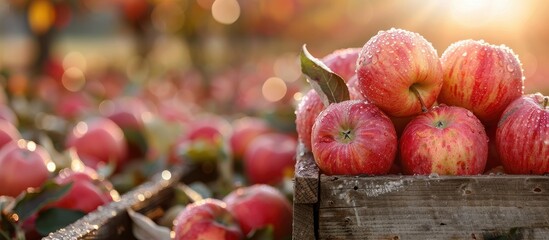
(470, 114)
(510, 68)
(374, 59)
(433, 175)
(546, 142)
(464, 54)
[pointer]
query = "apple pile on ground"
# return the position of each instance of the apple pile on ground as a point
(75, 150)
(447, 112)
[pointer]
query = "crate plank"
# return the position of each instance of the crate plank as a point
(306, 182)
(422, 207)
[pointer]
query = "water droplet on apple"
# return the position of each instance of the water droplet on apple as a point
(470, 114)
(433, 175)
(546, 142)
(374, 59)
(510, 68)
(464, 54)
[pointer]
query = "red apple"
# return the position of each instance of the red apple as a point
(446, 140)
(126, 112)
(270, 158)
(259, 206)
(99, 139)
(87, 191)
(245, 130)
(395, 68)
(307, 110)
(204, 140)
(23, 164)
(353, 137)
(206, 219)
(73, 105)
(8, 133)
(342, 62)
(522, 135)
(6, 113)
(481, 77)
(354, 90)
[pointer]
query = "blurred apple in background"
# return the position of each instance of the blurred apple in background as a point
(205, 139)
(6, 113)
(399, 71)
(206, 219)
(353, 137)
(128, 112)
(522, 136)
(245, 130)
(8, 133)
(98, 140)
(446, 140)
(481, 77)
(270, 158)
(87, 192)
(23, 164)
(259, 206)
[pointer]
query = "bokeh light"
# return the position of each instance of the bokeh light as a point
(274, 89)
(226, 11)
(73, 79)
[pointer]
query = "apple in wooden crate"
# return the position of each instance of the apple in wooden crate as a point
(349, 136)
(522, 135)
(259, 206)
(206, 219)
(395, 68)
(343, 62)
(446, 140)
(481, 77)
(353, 137)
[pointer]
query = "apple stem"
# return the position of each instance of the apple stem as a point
(416, 92)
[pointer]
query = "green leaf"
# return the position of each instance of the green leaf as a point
(54, 219)
(330, 87)
(32, 202)
(265, 233)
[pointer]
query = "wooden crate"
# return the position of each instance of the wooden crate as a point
(112, 220)
(418, 207)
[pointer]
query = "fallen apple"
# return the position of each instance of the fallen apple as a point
(270, 158)
(23, 164)
(259, 206)
(206, 219)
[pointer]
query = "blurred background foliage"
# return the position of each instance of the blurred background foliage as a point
(236, 56)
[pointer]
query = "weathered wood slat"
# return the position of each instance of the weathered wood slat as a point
(306, 177)
(306, 183)
(420, 207)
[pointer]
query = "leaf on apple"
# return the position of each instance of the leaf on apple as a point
(32, 202)
(53, 219)
(330, 87)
